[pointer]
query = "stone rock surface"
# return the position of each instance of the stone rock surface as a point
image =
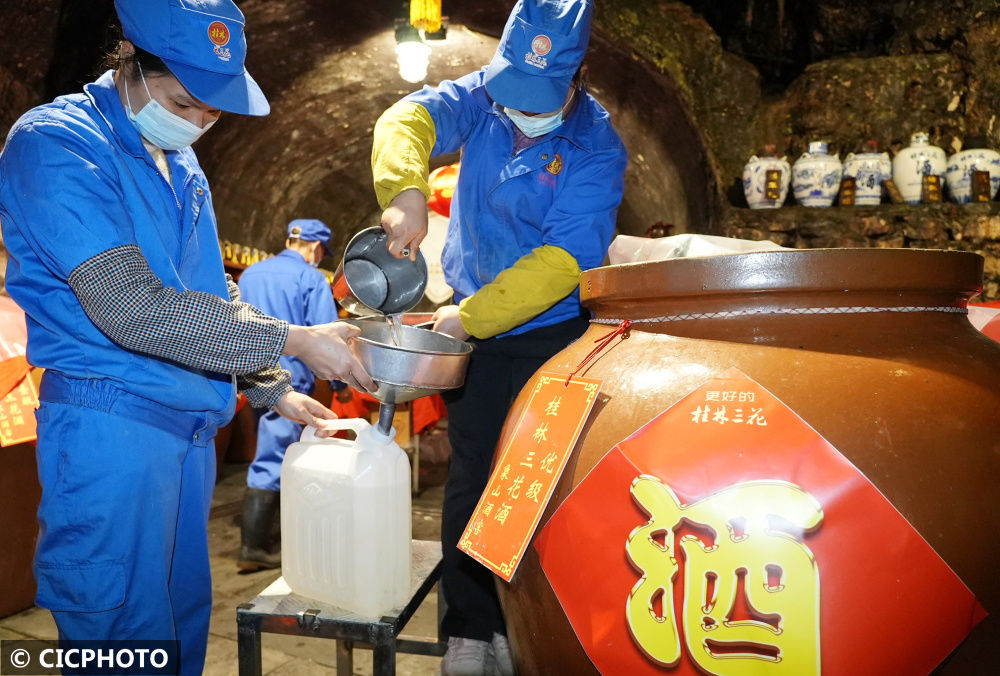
(694, 87)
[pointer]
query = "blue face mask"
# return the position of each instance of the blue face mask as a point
(534, 126)
(159, 126)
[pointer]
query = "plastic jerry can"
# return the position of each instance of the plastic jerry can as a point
(345, 519)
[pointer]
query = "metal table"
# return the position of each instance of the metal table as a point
(278, 610)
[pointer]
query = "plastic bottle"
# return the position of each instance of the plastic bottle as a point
(345, 519)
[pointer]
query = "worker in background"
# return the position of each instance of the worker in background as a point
(541, 178)
(115, 260)
(290, 287)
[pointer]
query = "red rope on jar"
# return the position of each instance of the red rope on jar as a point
(603, 342)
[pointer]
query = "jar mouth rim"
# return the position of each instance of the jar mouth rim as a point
(840, 271)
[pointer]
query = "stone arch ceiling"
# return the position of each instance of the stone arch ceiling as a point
(330, 73)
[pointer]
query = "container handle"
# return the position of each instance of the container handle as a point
(357, 425)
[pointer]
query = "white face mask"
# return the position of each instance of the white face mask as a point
(534, 126)
(159, 126)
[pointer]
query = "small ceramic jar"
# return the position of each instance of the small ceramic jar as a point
(912, 163)
(960, 168)
(868, 170)
(756, 173)
(816, 176)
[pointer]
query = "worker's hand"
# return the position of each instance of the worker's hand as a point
(446, 320)
(405, 221)
(323, 348)
(305, 410)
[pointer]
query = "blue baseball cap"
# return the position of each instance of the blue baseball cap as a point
(310, 230)
(202, 43)
(541, 49)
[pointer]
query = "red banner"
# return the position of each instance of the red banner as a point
(528, 471)
(731, 538)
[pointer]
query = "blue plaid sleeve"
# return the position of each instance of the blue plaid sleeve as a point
(264, 388)
(126, 301)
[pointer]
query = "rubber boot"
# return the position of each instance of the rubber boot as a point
(259, 506)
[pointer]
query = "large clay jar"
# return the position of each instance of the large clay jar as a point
(869, 347)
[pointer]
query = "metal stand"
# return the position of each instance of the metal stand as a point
(279, 611)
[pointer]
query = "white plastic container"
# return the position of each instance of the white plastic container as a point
(345, 519)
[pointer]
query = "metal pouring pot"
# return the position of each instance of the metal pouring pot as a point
(424, 362)
(370, 279)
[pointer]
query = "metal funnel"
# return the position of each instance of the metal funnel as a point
(423, 362)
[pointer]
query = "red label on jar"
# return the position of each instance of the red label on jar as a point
(527, 472)
(730, 538)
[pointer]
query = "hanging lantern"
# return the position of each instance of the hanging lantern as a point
(426, 15)
(441, 184)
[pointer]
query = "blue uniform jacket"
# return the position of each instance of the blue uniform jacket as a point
(288, 288)
(75, 181)
(564, 190)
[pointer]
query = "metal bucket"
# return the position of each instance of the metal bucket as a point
(424, 362)
(370, 279)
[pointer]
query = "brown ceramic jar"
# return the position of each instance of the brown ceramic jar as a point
(911, 398)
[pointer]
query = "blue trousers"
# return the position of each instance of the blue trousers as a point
(123, 545)
(274, 434)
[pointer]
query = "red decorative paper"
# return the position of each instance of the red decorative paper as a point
(865, 589)
(528, 471)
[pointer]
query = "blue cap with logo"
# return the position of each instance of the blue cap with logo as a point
(202, 43)
(541, 49)
(310, 230)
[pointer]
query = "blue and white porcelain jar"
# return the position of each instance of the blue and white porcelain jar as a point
(755, 180)
(816, 176)
(960, 168)
(912, 163)
(868, 170)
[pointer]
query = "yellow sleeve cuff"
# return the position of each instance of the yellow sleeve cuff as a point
(536, 282)
(401, 150)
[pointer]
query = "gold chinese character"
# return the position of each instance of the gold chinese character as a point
(505, 472)
(552, 408)
(515, 488)
(712, 395)
(540, 432)
(527, 461)
(700, 414)
(502, 513)
(756, 418)
(720, 415)
(534, 489)
(488, 509)
(750, 551)
(549, 463)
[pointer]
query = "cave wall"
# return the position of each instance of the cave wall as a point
(695, 88)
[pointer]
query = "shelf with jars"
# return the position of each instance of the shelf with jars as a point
(237, 257)
(920, 173)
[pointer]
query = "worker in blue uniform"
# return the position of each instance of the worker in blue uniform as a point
(541, 179)
(287, 286)
(114, 257)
